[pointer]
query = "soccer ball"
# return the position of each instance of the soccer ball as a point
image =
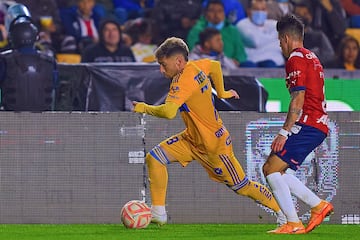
(136, 214)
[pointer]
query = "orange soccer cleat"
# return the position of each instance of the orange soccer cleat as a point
(290, 228)
(318, 214)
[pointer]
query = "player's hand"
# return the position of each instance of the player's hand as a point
(234, 94)
(139, 107)
(278, 143)
(134, 103)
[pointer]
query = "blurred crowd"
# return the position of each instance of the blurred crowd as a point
(238, 33)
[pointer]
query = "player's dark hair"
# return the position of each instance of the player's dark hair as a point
(220, 2)
(292, 25)
(207, 34)
(172, 46)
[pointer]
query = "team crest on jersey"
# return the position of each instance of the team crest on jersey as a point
(310, 55)
(174, 89)
(200, 77)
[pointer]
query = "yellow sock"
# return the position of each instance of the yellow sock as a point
(158, 178)
(260, 194)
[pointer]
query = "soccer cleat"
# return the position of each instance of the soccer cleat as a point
(318, 214)
(158, 219)
(289, 228)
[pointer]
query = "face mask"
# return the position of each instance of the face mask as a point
(258, 17)
(213, 53)
(218, 26)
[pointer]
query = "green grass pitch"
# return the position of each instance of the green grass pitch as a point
(168, 232)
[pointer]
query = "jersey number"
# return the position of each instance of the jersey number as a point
(172, 140)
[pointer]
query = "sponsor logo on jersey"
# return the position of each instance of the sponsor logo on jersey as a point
(200, 77)
(294, 74)
(218, 171)
(220, 132)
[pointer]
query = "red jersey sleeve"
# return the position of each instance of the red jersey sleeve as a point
(296, 73)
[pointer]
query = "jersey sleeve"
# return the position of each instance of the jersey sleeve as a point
(217, 78)
(296, 72)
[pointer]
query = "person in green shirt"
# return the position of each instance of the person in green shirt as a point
(214, 17)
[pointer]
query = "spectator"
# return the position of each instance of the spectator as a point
(234, 10)
(140, 32)
(260, 37)
(110, 47)
(82, 22)
(131, 9)
(214, 17)
(314, 40)
(27, 77)
(328, 17)
(211, 46)
(279, 8)
(352, 9)
(174, 18)
(347, 56)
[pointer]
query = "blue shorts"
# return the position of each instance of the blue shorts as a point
(303, 140)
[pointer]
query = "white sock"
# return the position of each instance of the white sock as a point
(300, 190)
(158, 210)
(282, 194)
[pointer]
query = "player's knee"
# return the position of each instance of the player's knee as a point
(150, 160)
(153, 160)
(265, 169)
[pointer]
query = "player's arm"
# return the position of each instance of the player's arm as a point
(217, 78)
(167, 110)
(295, 109)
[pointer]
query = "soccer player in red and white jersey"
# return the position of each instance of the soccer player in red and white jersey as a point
(205, 138)
(304, 129)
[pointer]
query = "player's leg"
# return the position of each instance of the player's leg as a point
(254, 190)
(302, 141)
(158, 179)
(173, 149)
(306, 140)
(273, 169)
(223, 167)
(299, 189)
(319, 208)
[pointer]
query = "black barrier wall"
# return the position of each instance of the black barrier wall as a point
(112, 87)
(59, 167)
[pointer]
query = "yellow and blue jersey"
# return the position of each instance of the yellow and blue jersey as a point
(192, 91)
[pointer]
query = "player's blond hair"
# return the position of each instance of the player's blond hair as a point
(172, 46)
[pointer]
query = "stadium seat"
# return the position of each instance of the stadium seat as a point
(68, 58)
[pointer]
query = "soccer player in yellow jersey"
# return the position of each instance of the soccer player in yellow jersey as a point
(205, 138)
